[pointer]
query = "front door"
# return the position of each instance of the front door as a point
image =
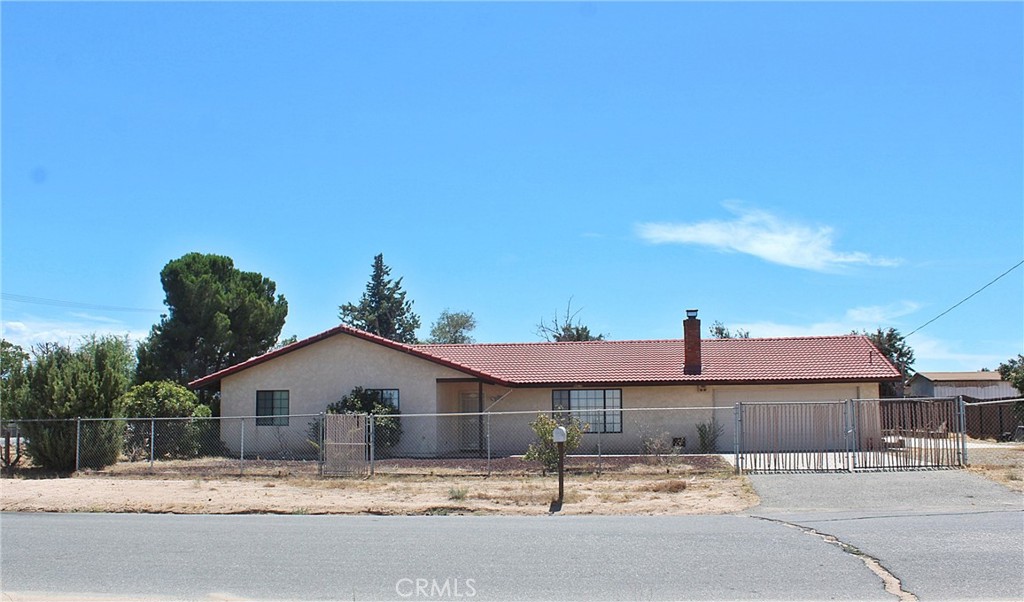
(470, 434)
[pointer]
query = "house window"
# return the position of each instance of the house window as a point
(387, 396)
(272, 403)
(592, 407)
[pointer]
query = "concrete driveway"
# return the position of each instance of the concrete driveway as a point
(943, 535)
(885, 492)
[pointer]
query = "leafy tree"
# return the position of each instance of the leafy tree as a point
(174, 438)
(217, 316)
(62, 383)
(892, 345)
(719, 331)
(159, 399)
(383, 308)
(567, 328)
(452, 328)
(286, 341)
(13, 362)
(1012, 371)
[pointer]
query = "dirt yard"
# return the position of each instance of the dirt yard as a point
(706, 486)
(1002, 462)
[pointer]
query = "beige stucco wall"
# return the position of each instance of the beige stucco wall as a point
(322, 373)
(677, 410)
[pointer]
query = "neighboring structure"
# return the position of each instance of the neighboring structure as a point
(977, 385)
(983, 421)
(304, 377)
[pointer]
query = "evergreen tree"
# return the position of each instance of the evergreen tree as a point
(217, 316)
(383, 309)
(62, 383)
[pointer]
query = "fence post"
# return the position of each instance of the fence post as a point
(737, 413)
(488, 444)
(323, 439)
(373, 441)
(241, 450)
(78, 442)
(152, 440)
(962, 408)
(849, 434)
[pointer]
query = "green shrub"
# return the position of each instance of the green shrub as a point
(707, 436)
(544, 449)
(387, 425)
(172, 438)
(61, 383)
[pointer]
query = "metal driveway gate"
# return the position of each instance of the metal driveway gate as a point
(856, 434)
(346, 445)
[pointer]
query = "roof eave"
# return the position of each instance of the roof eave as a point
(216, 377)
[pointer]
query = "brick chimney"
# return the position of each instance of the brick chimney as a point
(691, 343)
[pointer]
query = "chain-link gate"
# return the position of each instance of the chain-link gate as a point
(346, 445)
(856, 434)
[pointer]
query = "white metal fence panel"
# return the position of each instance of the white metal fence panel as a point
(346, 445)
(856, 434)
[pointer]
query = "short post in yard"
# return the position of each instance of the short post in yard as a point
(559, 435)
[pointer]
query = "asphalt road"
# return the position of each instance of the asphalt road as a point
(957, 548)
(367, 558)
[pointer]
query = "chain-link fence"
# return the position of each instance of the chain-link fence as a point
(274, 445)
(467, 443)
(995, 432)
(481, 442)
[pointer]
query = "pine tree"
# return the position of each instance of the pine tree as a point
(217, 316)
(383, 309)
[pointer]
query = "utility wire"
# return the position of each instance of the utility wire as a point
(70, 304)
(996, 279)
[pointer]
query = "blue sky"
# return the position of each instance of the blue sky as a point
(787, 168)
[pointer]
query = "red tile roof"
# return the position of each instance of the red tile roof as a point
(849, 358)
(804, 359)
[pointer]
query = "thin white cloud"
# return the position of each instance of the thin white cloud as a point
(764, 235)
(930, 354)
(881, 315)
(32, 331)
(864, 318)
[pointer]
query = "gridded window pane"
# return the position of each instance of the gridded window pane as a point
(582, 401)
(559, 400)
(591, 407)
(387, 396)
(272, 403)
(613, 420)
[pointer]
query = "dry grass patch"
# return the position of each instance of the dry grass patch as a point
(1003, 464)
(704, 487)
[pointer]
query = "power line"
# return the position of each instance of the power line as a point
(70, 304)
(996, 279)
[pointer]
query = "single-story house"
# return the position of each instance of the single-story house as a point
(428, 381)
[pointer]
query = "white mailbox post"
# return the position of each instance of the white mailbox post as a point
(559, 435)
